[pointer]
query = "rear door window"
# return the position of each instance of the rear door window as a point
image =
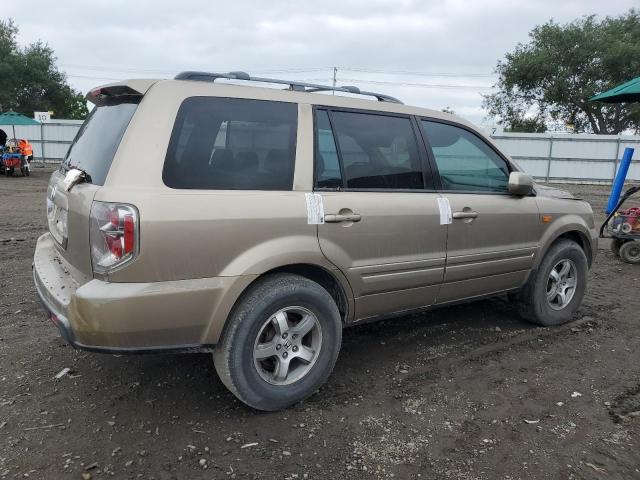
(464, 161)
(98, 139)
(232, 144)
(376, 151)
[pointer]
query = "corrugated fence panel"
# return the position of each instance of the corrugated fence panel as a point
(22, 131)
(584, 170)
(525, 146)
(572, 156)
(533, 166)
(634, 171)
(50, 140)
(590, 148)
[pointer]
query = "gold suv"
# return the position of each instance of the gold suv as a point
(198, 215)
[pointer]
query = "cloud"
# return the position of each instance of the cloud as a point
(99, 41)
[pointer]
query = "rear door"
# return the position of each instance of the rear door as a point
(494, 235)
(382, 224)
(92, 151)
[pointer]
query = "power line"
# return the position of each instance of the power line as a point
(420, 85)
(419, 74)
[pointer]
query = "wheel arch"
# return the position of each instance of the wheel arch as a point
(576, 233)
(331, 280)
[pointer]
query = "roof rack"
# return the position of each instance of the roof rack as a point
(292, 84)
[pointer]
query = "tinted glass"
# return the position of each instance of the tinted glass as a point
(465, 162)
(378, 151)
(231, 144)
(97, 140)
(327, 165)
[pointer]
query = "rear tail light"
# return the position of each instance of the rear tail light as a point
(114, 235)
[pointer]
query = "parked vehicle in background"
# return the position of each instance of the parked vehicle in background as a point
(257, 222)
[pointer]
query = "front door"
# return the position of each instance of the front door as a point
(493, 237)
(382, 223)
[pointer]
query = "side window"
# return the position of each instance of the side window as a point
(464, 161)
(327, 164)
(377, 151)
(232, 144)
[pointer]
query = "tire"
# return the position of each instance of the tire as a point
(630, 252)
(615, 246)
(257, 320)
(545, 300)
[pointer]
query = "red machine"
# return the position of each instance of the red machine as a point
(627, 221)
(16, 155)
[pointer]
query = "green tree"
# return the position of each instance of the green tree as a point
(30, 80)
(527, 125)
(551, 78)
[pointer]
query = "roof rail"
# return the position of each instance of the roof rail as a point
(292, 84)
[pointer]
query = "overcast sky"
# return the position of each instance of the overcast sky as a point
(427, 53)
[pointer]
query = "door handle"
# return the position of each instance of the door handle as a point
(464, 214)
(342, 217)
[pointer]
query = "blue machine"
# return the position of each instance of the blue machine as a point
(618, 183)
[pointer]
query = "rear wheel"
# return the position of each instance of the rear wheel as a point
(630, 252)
(281, 342)
(555, 290)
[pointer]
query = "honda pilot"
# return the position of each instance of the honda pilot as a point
(255, 218)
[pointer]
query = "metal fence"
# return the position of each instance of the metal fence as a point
(559, 157)
(571, 157)
(50, 140)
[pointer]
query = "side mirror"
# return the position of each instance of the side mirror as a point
(520, 184)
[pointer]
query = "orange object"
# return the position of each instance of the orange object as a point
(546, 218)
(25, 147)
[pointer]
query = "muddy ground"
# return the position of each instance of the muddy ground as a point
(467, 392)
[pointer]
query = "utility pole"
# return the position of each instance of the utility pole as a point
(335, 72)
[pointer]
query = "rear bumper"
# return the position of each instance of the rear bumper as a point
(55, 316)
(182, 315)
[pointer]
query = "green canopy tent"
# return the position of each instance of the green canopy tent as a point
(627, 92)
(14, 118)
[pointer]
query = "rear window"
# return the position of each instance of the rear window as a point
(97, 140)
(232, 144)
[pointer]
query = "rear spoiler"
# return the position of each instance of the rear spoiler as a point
(125, 90)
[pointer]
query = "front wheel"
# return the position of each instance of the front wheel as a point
(280, 343)
(555, 290)
(630, 252)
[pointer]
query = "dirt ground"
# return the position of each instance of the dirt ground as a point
(467, 392)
